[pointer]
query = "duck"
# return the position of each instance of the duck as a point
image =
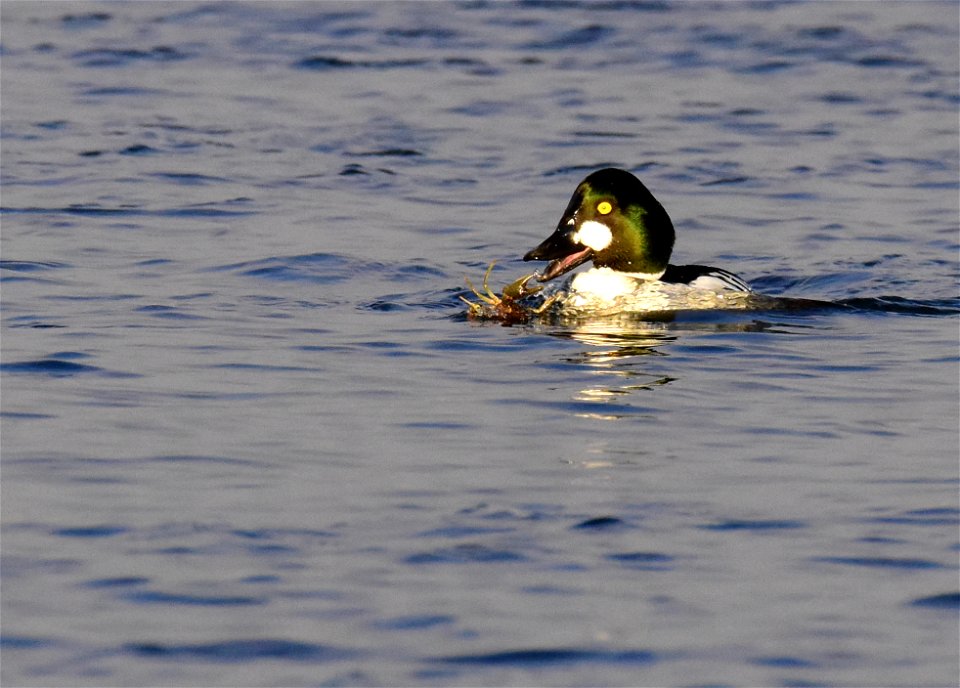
(614, 221)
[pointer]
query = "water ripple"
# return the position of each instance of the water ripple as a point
(945, 516)
(328, 62)
(465, 554)
(25, 642)
(96, 210)
(647, 561)
(118, 582)
(122, 57)
(947, 600)
(30, 265)
(604, 523)
(91, 532)
(757, 525)
(552, 656)
(899, 304)
(155, 597)
(414, 623)
(317, 268)
(242, 651)
(882, 562)
(55, 367)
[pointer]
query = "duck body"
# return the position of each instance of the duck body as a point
(604, 291)
(614, 221)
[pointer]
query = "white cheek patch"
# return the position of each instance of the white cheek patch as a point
(595, 235)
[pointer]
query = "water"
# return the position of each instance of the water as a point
(249, 437)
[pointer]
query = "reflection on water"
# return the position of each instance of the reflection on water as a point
(619, 349)
(617, 338)
(616, 356)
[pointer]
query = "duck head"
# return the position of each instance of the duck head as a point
(613, 220)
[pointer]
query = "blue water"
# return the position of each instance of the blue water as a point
(250, 438)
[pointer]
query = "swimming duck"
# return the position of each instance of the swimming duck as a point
(614, 220)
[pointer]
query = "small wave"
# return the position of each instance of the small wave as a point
(317, 268)
(91, 531)
(947, 600)
(758, 525)
(86, 19)
(241, 651)
(467, 553)
(31, 265)
(188, 179)
(882, 562)
(168, 312)
(580, 170)
(125, 91)
(414, 622)
(899, 304)
(594, 33)
(117, 582)
(332, 62)
(57, 365)
(784, 662)
(648, 561)
(924, 517)
(121, 57)
(155, 597)
(25, 642)
(604, 523)
(550, 656)
(49, 366)
(389, 153)
(96, 210)
(201, 211)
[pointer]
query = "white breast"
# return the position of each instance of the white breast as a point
(602, 291)
(604, 284)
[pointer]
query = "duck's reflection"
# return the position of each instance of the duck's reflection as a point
(617, 352)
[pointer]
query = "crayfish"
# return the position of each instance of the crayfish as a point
(506, 308)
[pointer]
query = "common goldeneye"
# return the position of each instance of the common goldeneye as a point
(615, 221)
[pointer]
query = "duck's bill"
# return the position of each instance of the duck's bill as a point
(562, 266)
(564, 255)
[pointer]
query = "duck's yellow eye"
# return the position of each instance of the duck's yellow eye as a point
(604, 208)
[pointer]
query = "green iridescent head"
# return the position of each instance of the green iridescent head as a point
(614, 220)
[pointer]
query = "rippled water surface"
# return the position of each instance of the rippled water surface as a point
(250, 438)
